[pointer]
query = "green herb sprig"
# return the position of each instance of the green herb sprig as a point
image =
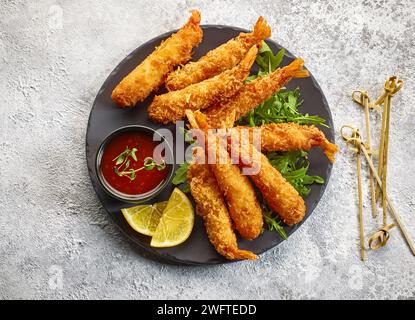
(280, 107)
(294, 166)
(273, 223)
(180, 177)
(267, 61)
(123, 161)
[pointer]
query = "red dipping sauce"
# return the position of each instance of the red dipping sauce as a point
(145, 180)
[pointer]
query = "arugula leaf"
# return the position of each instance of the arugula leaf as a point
(251, 77)
(180, 175)
(274, 224)
(185, 187)
(270, 218)
(281, 107)
(266, 58)
(294, 167)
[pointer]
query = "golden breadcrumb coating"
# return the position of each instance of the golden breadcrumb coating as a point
(292, 136)
(252, 94)
(280, 195)
(171, 106)
(150, 74)
(219, 59)
(244, 208)
(240, 196)
(210, 205)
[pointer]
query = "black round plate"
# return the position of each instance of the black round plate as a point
(106, 116)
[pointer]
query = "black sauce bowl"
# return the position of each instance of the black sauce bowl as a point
(133, 198)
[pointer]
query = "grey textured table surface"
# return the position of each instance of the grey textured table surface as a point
(55, 239)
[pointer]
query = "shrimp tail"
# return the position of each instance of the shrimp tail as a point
(236, 253)
(330, 150)
(261, 29)
(194, 18)
(197, 119)
(201, 120)
(295, 69)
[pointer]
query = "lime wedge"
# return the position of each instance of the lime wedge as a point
(176, 223)
(144, 218)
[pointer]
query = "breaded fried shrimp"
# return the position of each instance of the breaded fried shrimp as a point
(292, 136)
(210, 205)
(219, 59)
(243, 204)
(223, 115)
(244, 208)
(171, 106)
(150, 74)
(280, 195)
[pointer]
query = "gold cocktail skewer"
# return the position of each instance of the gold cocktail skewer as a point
(390, 204)
(392, 86)
(359, 186)
(363, 100)
(356, 141)
(355, 135)
(380, 237)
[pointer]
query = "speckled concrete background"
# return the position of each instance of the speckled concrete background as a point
(56, 241)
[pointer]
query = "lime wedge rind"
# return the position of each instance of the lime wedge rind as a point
(176, 223)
